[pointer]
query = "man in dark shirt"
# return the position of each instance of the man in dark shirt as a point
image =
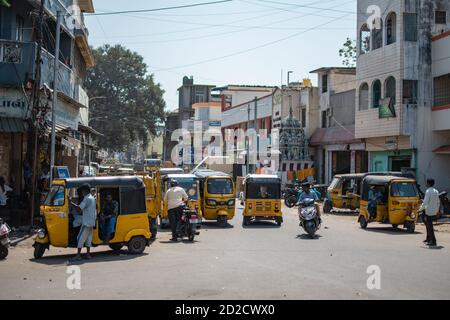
(108, 215)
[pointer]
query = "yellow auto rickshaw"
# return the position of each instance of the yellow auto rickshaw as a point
(262, 199)
(190, 184)
(62, 223)
(218, 196)
(343, 192)
(394, 200)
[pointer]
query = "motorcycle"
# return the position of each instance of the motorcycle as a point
(309, 218)
(445, 203)
(291, 200)
(4, 239)
(190, 222)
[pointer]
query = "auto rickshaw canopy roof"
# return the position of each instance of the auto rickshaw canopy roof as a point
(202, 174)
(180, 176)
(383, 180)
(122, 181)
(165, 171)
(261, 178)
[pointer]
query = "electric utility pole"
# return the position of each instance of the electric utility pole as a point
(35, 95)
(55, 94)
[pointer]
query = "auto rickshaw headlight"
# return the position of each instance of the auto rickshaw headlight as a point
(41, 234)
(231, 202)
(412, 215)
(211, 202)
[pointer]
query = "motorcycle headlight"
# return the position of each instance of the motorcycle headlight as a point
(231, 202)
(211, 202)
(41, 234)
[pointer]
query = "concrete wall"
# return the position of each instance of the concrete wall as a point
(343, 106)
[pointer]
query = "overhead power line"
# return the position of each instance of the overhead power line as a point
(159, 9)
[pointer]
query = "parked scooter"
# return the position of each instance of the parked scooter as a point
(445, 202)
(190, 222)
(309, 218)
(4, 239)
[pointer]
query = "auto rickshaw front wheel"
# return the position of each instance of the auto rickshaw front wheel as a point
(137, 245)
(222, 221)
(363, 222)
(39, 250)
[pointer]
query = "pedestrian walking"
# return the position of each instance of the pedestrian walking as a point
(89, 216)
(430, 209)
(175, 198)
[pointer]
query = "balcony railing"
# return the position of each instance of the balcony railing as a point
(17, 64)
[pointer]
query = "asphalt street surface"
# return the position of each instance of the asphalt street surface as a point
(261, 261)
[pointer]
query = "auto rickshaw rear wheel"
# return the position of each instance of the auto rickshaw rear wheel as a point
(410, 227)
(279, 221)
(363, 222)
(39, 250)
(137, 245)
(116, 246)
(246, 221)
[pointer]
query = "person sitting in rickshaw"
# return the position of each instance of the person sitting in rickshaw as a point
(107, 219)
(376, 197)
(264, 193)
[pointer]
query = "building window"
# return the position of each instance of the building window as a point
(410, 22)
(376, 95)
(442, 91)
(391, 28)
(364, 46)
(20, 27)
(303, 118)
(364, 97)
(324, 83)
(324, 119)
(377, 34)
(390, 88)
(410, 91)
(440, 17)
(199, 96)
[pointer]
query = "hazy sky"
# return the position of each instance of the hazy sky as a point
(237, 42)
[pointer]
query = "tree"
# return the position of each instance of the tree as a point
(126, 104)
(348, 52)
(5, 3)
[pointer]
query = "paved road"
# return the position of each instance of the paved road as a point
(259, 262)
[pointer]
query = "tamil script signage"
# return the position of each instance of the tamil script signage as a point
(13, 104)
(386, 108)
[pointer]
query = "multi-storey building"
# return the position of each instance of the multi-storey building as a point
(403, 88)
(18, 52)
(337, 151)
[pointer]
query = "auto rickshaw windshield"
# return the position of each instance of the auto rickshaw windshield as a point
(263, 191)
(404, 189)
(190, 186)
(55, 197)
(220, 186)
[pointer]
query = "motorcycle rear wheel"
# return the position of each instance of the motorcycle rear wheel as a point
(3, 252)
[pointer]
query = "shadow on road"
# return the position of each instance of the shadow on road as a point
(262, 225)
(104, 256)
(343, 213)
(215, 226)
(305, 236)
(390, 230)
(433, 248)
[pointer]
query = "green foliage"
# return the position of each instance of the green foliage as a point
(126, 103)
(5, 3)
(348, 53)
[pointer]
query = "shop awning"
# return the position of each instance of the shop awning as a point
(13, 125)
(334, 135)
(442, 150)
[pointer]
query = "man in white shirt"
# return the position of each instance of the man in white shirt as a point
(89, 210)
(4, 190)
(176, 198)
(430, 206)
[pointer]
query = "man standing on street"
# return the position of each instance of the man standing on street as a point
(430, 206)
(175, 198)
(89, 217)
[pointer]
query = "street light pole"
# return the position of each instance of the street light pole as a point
(55, 95)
